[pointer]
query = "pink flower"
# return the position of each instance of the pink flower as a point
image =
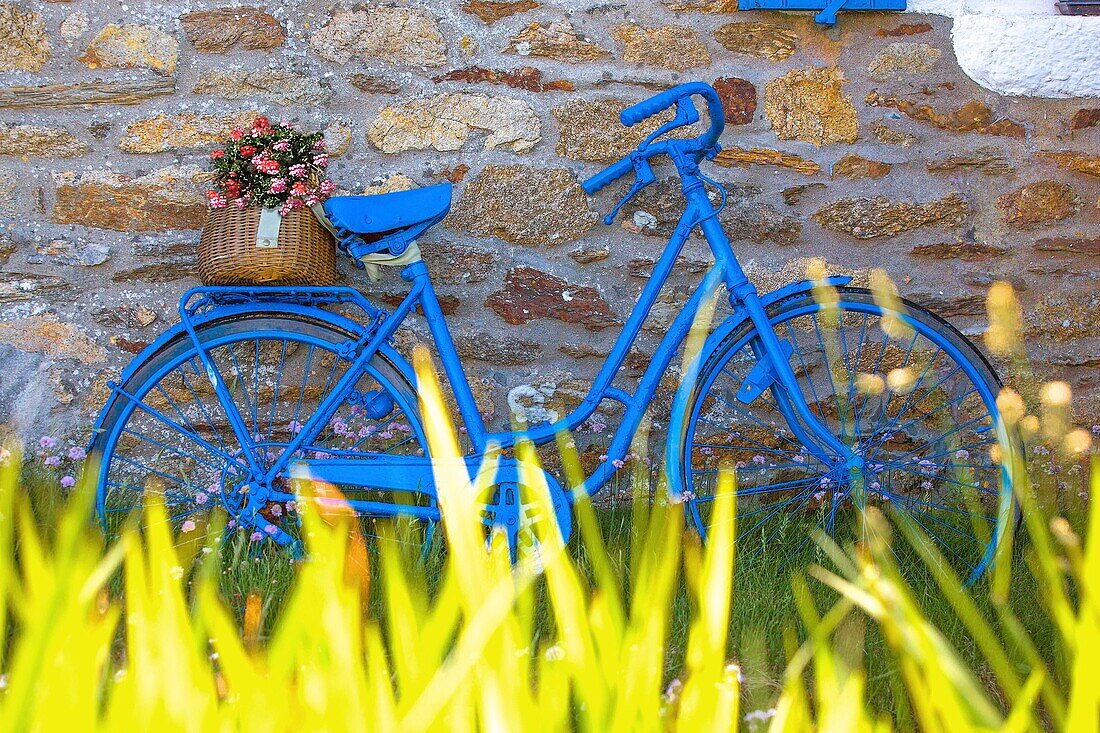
(278, 185)
(298, 170)
(312, 200)
(240, 203)
(282, 146)
(320, 161)
(295, 204)
(187, 526)
(327, 187)
(217, 202)
(67, 482)
(236, 134)
(270, 167)
(320, 144)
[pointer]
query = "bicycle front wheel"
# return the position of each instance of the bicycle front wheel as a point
(900, 387)
(172, 437)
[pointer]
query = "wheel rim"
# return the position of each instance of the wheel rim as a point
(922, 416)
(176, 441)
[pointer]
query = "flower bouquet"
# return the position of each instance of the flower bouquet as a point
(267, 183)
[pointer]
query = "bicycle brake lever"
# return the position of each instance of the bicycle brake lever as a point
(643, 176)
(686, 114)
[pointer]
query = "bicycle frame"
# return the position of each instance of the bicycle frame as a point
(414, 474)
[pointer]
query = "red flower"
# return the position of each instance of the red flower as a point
(236, 134)
(299, 189)
(261, 123)
(217, 154)
(248, 150)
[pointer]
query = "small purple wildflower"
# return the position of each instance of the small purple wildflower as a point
(77, 454)
(271, 529)
(255, 537)
(47, 443)
(52, 461)
(67, 482)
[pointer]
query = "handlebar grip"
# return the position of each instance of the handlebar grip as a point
(608, 175)
(648, 107)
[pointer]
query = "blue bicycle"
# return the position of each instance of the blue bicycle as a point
(822, 398)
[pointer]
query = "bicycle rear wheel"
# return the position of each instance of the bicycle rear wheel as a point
(903, 389)
(173, 437)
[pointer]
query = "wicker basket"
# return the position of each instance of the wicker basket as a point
(229, 255)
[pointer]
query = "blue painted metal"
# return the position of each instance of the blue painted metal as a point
(828, 8)
(401, 217)
(395, 218)
(762, 376)
(688, 403)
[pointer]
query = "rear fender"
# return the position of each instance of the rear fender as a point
(223, 312)
(681, 405)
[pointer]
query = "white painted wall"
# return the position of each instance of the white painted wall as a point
(1023, 47)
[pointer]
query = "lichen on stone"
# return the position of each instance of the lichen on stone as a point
(809, 105)
(878, 216)
(532, 206)
(446, 122)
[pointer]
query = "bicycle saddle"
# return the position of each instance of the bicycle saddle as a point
(380, 229)
(384, 213)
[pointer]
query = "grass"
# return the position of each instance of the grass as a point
(632, 626)
(764, 611)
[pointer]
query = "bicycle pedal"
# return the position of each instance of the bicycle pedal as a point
(761, 376)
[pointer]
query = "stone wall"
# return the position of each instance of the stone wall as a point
(863, 144)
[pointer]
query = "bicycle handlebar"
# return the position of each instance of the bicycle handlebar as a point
(659, 103)
(608, 175)
(655, 105)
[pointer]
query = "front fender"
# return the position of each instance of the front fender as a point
(223, 312)
(681, 405)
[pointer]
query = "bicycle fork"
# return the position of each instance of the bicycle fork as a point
(772, 357)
